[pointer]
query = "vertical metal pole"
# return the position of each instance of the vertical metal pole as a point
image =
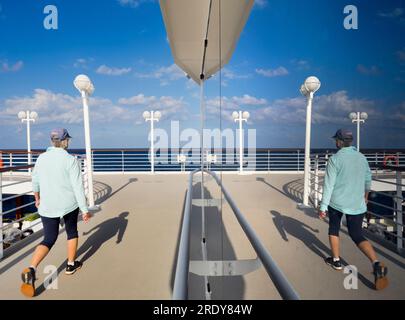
(316, 187)
(358, 131)
(122, 161)
(268, 161)
(298, 160)
(307, 149)
(1, 215)
(28, 138)
(240, 143)
(399, 212)
(89, 160)
(152, 143)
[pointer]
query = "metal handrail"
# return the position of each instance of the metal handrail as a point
(180, 289)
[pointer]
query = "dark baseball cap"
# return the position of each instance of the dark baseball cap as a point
(60, 134)
(343, 135)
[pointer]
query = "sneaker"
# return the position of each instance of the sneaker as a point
(28, 287)
(72, 269)
(380, 276)
(337, 265)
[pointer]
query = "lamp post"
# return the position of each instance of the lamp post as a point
(152, 116)
(28, 116)
(310, 86)
(358, 117)
(86, 89)
(239, 116)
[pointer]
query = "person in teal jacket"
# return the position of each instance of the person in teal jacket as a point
(58, 189)
(345, 191)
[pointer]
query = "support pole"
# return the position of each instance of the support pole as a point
(89, 159)
(399, 212)
(307, 150)
(152, 143)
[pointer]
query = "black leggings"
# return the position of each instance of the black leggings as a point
(51, 228)
(354, 225)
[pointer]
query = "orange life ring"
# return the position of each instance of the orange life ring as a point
(388, 160)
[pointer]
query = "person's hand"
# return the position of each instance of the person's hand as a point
(322, 214)
(86, 216)
(37, 202)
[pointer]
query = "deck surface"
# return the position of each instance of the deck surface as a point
(129, 248)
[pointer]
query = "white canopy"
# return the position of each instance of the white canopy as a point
(190, 22)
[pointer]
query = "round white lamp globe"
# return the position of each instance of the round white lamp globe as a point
(245, 115)
(33, 115)
(312, 84)
(146, 115)
(353, 115)
(157, 115)
(83, 83)
(22, 115)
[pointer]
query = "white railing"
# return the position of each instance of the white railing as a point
(116, 160)
(384, 219)
(15, 187)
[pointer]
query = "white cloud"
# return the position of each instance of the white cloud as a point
(369, 71)
(401, 55)
(133, 3)
(167, 105)
(399, 113)
(332, 108)
(300, 64)
(6, 67)
(164, 74)
(232, 75)
(280, 71)
(261, 3)
(103, 69)
(397, 12)
(62, 108)
(82, 63)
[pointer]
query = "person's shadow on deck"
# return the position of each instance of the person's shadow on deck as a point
(290, 226)
(106, 230)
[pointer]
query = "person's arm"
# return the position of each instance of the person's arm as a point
(76, 180)
(368, 179)
(35, 185)
(328, 185)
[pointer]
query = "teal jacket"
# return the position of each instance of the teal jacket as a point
(347, 178)
(58, 179)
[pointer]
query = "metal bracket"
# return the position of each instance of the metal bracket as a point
(206, 202)
(224, 268)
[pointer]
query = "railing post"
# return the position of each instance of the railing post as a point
(398, 211)
(11, 162)
(122, 161)
(298, 160)
(1, 215)
(316, 187)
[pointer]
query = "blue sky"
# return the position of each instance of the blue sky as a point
(122, 46)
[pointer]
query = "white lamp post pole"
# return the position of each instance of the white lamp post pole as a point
(358, 118)
(240, 116)
(28, 116)
(310, 86)
(152, 116)
(86, 88)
